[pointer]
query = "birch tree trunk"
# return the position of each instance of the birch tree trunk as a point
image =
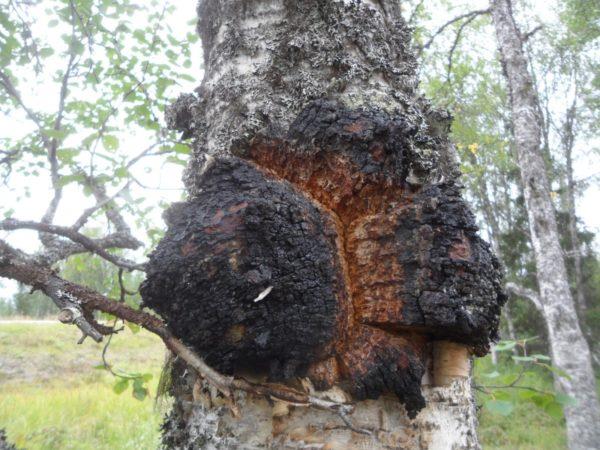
(568, 142)
(314, 154)
(570, 351)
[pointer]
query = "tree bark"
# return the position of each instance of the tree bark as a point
(570, 351)
(325, 244)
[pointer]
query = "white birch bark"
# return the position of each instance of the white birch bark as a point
(201, 420)
(570, 351)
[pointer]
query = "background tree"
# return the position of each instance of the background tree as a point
(460, 65)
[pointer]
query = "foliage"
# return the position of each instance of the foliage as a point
(516, 378)
(527, 426)
(85, 84)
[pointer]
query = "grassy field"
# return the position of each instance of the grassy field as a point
(51, 397)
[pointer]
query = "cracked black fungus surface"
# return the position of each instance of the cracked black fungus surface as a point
(240, 236)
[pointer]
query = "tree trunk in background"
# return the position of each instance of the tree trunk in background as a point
(287, 83)
(568, 142)
(570, 351)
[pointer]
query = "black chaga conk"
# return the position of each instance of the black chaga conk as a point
(246, 235)
(332, 252)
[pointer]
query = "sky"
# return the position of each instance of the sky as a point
(166, 178)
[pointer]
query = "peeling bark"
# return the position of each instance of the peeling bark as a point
(325, 239)
(570, 351)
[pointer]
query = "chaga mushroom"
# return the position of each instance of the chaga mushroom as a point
(335, 251)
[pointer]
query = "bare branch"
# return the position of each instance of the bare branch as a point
(529, 34)
(414, 13)
(527, 293)
(17, 266)
(63, 249)
(88, 243)
(470, 15)
(53, 147)
(82, 220)
(12, 91)
(455, 44)
(112, 213)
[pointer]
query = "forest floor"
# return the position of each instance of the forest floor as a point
(54, 396)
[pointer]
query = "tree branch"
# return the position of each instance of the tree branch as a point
(527, 293)
(470, 15)
(112, 213)
(455, 44)
(82, 220)
(89, 244)
(529, 34)
(48, 217)
(11, 90)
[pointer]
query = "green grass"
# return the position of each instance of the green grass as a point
(51, 397)
(528, 427)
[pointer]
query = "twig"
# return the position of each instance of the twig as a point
(470, 15)
(414, 13)
(524, 292)
(529, 34)
(82, 220)
(455, 44)
(75, 236)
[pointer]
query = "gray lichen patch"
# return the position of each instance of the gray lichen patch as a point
(265, 61)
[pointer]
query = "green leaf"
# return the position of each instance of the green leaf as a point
(122, 172)
(181, 148)
(147, 377)
(494, 374)
(56, 134)
(67, 154)
(139, 390)
(46, 52)
(175, 160)
(140, 394)
(110, 142)
(541, 357)
(556, 370)
(121, 386)
(554, 410)
(565, 400)
(504, 346)
(501, 407)
(134, 327)
(77, 47)
(541, 400)
(524, 358)
(501, 395)
(67, 179)
(100, 367)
